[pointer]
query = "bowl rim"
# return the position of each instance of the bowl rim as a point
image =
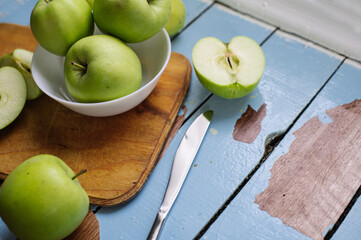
(155, 78)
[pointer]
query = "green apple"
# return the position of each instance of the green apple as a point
(58, 24)
(132, 21)
(41, 200)
(21, 59)
(12, 95)
(101, 68)
(91, 3)
(230, 70)
(177, 17)
(8, 60)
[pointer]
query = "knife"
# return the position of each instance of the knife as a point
(182, 162)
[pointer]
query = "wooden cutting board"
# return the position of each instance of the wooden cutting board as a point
(119, 152)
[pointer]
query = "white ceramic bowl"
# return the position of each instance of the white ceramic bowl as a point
(48, 73)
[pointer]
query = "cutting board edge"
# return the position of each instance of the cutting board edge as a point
(163, 135)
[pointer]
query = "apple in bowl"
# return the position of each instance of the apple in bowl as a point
(100, 68)
(153, 53)
(132, 21)
(58, 24)
(177, 17)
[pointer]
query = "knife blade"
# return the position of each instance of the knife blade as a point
(183, 159)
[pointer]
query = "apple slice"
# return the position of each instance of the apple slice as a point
(12, 95)
(228, 70)
(21, 59)
(8, 60)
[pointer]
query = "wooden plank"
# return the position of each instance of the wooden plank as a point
(194, 8)
(222, 162)
(243, 216)
(350, 228)
(5, 232)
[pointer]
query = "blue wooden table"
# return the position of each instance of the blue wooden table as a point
(227, 184)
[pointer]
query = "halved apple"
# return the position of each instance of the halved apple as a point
(12, 95)
(21, 59)
(230, 70)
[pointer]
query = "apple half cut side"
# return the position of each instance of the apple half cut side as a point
(12, 95)
(230, 70)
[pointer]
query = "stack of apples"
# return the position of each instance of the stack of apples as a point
(98, 68)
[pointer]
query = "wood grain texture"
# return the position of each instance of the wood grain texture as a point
(119, 152)
(87, 230)
(311, 185)
(248, 126)
(176, 126)
(15, 36)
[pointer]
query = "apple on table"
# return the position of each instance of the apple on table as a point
(42, 199)
(230, 70)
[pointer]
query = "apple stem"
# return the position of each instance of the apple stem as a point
(78, 65)
(81, 172)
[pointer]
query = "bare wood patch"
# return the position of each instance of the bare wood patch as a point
(312, 184)
(248, 126)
